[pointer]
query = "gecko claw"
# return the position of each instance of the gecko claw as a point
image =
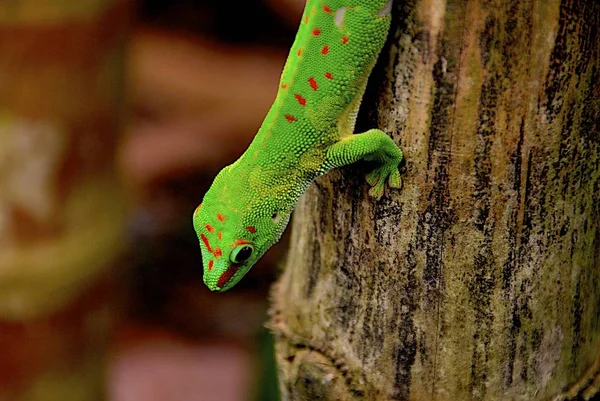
(377, 178)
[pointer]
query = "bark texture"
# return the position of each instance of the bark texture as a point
(480, 280)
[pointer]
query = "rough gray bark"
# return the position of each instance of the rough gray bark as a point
(480, 280)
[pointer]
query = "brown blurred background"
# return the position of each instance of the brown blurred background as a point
(109, 106)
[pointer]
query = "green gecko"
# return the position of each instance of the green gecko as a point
(308, 131)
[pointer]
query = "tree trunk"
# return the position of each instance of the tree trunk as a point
(61, 204)
(480, 280)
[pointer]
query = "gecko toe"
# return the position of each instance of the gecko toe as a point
(376, 191)
(388, 173)
(394, 180)
(374, 176)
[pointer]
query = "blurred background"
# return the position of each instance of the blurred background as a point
(115, 115)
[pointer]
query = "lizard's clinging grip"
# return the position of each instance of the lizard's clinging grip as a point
(308, 131)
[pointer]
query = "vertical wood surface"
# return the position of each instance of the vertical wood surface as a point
(480, 280)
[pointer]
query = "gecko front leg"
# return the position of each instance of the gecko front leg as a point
(373, 145)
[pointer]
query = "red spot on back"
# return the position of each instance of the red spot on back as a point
(220, 217)
(345, 40)
(284, 86)
(220, 235)
(290, 118)
(206, 243)
(211, 264)
(313, 83)
(316, 32)
(306, 19)
(299, 51)
(300, 99)
(326, 9)
(225, 277)
(218, 253)
(328, 75)
(197, 210)
(251, 229)
(325, 50)
(209, 228)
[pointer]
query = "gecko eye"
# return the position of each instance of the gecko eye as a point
(241, 253)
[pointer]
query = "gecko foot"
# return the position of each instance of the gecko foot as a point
(388, 172)
(374, 146)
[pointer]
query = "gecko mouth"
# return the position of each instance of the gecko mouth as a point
(225, 277)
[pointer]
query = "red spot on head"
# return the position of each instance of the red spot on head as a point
(290, 118)
(316, 32)
(345, 40)
(326, 9)
(220, 235)
(251, 229)
(328, 75)
(209, 228)
(299, 51)
(220, 217)
(211, 264)
(325, 50)
(313, 83)
(206, 243)
(218, 253)
(225, 277)
(284, 86)
(300, 99)
(240, 241)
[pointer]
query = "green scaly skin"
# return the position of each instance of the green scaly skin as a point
(308, 131)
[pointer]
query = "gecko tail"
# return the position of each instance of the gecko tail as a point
(386, 10)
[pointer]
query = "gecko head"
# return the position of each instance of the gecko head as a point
(233, 236)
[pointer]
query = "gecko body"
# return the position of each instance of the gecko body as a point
(308, 131)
